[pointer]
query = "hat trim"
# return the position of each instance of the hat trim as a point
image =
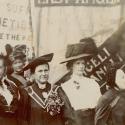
(75, 57)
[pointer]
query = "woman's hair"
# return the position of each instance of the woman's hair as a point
(23, 59)
(34, 67)
(69, 64)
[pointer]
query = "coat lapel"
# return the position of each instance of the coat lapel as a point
(36, 94)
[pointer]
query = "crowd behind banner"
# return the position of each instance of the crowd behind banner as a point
(91, 93)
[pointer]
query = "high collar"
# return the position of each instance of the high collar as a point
(77, 78)
(46, 89)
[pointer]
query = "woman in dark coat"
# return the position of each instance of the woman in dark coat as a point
(9, 98)
(48, 104)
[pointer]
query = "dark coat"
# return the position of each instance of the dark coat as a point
(19, 79)
(23, 102)
(40, 116)
(9, 114)
(111, 108)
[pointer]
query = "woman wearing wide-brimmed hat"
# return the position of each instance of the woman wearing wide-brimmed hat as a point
(48, 104)
(82, 92)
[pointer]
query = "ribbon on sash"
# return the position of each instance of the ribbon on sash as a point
(37, 98)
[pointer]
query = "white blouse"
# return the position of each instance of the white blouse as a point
(82, 92)
(6, 94)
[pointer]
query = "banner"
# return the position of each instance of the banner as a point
(112, 51)
(44, 3)
(15, 27)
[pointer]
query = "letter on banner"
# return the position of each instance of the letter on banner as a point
(82, 1)
(57, 1)
(43, 1)
(100, 1)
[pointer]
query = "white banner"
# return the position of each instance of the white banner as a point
(15, 23)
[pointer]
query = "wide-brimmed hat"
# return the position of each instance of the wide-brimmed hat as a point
(38, 61)
(85, 48)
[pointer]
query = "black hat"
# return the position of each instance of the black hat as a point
(38, 61)
(82, 49)
(19, 47)
(90, 45)
(18, 52)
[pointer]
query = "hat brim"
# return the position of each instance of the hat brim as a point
(12, 58)
(38, 61)
(75, 57)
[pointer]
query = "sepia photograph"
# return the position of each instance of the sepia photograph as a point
(62, 62)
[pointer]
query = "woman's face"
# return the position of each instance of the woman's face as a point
(18, 64)
(79, 67)
(41, 73)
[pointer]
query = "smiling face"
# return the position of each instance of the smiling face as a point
(41, 73)
(17, 65)
(78, 67)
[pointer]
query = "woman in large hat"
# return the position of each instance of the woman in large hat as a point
(18, 60)
(48, 104)
(82, 92)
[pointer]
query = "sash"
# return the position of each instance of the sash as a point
(19, 78)
(37, 98)
(9, 81)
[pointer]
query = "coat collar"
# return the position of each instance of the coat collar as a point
(46, 89)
